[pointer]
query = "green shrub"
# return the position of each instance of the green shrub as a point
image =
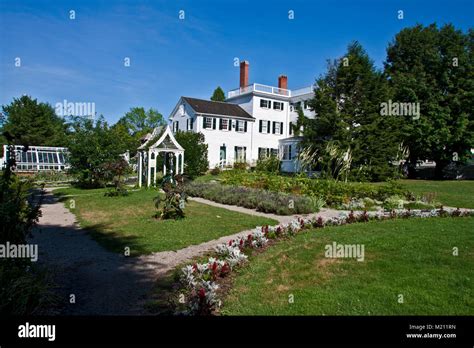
(270, 164)
(215, 171)
(240, 165)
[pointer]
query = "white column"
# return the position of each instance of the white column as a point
(140, 169)
(182, 162)
(176, 158)
(164, 163)
(149, 169)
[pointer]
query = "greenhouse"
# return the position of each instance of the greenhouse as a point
(37, 158)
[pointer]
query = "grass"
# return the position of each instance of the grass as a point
(413, 258)
(119, 222)
(452, 193)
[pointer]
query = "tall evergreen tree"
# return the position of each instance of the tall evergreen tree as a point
(434, 67)
(348, 123)
(218, 94)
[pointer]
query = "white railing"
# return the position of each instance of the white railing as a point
(302, 91)
(256, 87)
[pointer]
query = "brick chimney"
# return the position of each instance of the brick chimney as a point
(283, 81)
(244, 73)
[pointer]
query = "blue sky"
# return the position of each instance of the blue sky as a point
(82, 60)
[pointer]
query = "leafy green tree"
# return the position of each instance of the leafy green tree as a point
(218, 95)
(434, 67)
(135, 124)
(92, 145)
(349, 124)
(195, 153)
(137, 120)
(33, 123)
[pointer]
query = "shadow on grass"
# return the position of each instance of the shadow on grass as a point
(102, 282)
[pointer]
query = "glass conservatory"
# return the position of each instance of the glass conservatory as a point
(37, 158)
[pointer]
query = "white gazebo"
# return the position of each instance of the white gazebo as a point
(148, 154)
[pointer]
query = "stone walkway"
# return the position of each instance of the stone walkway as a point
(107, 283)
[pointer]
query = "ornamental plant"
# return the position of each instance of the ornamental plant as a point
(200, 281)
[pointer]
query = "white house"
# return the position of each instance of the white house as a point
(254, 121)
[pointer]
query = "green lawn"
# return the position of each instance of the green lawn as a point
(118, 222)
(452, 193)
(413, 258)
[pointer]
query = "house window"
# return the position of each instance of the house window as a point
(189, 124)
(286, 152)
(175, 126)
(240, 153)
(264, 103)
(264, 152)
(277, 127)
(241, 126)
(264, 126)
(277, 105)
(208, 122)
(224, 124)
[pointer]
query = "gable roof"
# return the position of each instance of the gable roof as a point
(210, 107)
(164, 134)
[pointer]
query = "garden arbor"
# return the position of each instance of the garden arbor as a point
(151, 149)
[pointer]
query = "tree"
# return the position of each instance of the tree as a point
(195, 152)
(434, 67)
(349, 132)
(33, 123)
(92, 146)
(137, 123)
(218, 94)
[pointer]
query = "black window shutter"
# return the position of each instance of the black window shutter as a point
(260, 126)
(214, 121)
(290, 128)
(273, 128)
(220, 123)
(203, 122)
(281, 127)
(245, 126)
(268, 126)
(229, 126)
(289, 152)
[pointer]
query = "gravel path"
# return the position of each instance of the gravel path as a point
(106, 283)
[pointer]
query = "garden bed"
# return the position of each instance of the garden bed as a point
(334, 193)
(394, 251)
(261, 200)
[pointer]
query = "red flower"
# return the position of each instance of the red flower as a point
(195, 267)
(202, 293)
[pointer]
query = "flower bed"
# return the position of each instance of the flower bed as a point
(261, 200)
(200, 281)
(333, 192)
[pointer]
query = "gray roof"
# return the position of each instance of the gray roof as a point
(210, 107)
